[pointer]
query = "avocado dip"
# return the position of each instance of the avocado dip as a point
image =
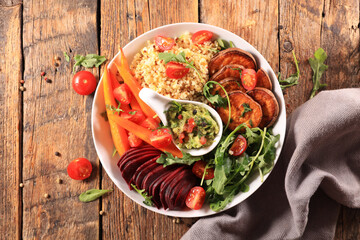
(192, 125)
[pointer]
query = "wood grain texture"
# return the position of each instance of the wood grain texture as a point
(57, 119)
(10, 121)
(121, 21)
(9, 3)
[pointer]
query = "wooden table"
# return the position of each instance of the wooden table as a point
(51, 117)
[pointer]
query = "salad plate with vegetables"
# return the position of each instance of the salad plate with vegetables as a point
(153, 160)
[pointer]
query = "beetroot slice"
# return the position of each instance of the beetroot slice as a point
(181, 197)
(135, 150)
(155, 187)
(169, 184)
(175, 186)
(160, 191)
(132, 165)
(140, 177)
(146, 155)
(185, 181)
(145, 165)
(153, 175)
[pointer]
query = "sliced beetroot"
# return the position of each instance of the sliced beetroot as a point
(155, 186)
(167, 187)
(135, 150)
(146, 155)
(140, 177)
(181, 197)
(153, 175)
(142, 167)
(165, 184)
(172, 193)
(131, 166)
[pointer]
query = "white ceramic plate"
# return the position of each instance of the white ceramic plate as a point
(101, 130)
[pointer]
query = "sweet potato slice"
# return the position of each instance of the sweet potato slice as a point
(231, 70)
(263, 79)
(230, 84)
(240, 102)
(231, 56)
(268, 103)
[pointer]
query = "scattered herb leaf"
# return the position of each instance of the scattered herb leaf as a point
(132, 112)
(145, 196)
(246, 109)
(93, 194)
(318, 67)
(118, 109)
(293, 79)
(88, 61)
(67, 58)
(224, 44)
(240, 71)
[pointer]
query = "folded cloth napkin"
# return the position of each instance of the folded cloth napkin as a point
(318, 169)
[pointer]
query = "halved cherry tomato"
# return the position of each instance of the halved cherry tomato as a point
(195, 198)
(181, 137)
(239, 146)
(190, 125)
(161, 138)
(150, 123)
(201, 36)
(79, 169)
(203, 140)
(248, 79)
(84, 83)
(123, 94)
(136, 116)
(198, 170)
(176, 70)
(164, 43)
(134, 141)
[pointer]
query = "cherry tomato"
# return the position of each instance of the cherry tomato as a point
(248, 79)
(161, 138)
(195, 198)
(176, 70)
(198, 170)
(136, 116)
(134, 141)
(239, 146)
(79, 169)
(191, 125)
(123, 94)
(164, 43)
(181, 137)
(150, 123)
(180, 117)
(203, 140)
(201, 36)
(84, 82)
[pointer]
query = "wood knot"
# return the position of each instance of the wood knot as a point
(288, 46)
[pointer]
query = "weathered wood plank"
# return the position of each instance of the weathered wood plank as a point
(57, 119)
(254, 21)
(122, 21)
(10, 121)
(9, 3)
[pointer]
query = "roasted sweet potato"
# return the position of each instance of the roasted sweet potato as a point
(268, 103)
(230, 84)
(231, 70)
(263, 79)
(243, 110)
(231, 56)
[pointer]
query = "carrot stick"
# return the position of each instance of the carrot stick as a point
(118, 133)
(143, 133)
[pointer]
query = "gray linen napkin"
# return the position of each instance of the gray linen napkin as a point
(318, 169)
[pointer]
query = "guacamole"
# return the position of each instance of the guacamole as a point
(192, 125)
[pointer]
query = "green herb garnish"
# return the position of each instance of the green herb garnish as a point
(293, 79)
(224, 44)
(318, 67)
(118, 109)
(246, 109)
(93, 194)
(67, 58)
(88, 61)
(145, 196)
(171, 57)
(114, 151)
(132, 112)
(168, 159)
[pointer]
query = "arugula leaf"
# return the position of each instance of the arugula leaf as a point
(88, 61)
(67, 58)
(224, 44)
(93, 194)
(246, 109)
(318, 67)
(145, 196)
(167, 56)
(293, 79)
(168, 159)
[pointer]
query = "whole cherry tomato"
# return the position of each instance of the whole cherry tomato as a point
(195, 198)
(201, 36)
(248, 79)
(199, 168)
(239, 146)
(164, 43)
(84, 83)
(79, 169)
(176, 70)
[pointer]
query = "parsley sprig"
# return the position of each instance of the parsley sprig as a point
(171, 57)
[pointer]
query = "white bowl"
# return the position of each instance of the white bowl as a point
(101, 130)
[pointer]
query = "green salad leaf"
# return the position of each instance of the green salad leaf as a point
(88, 61)
(318, 67)
(225, 44)
(147, 198)
(93, 194)
(293, 79)
(168, 159)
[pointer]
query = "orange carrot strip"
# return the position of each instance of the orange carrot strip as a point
(143, 133)
(118, 133)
